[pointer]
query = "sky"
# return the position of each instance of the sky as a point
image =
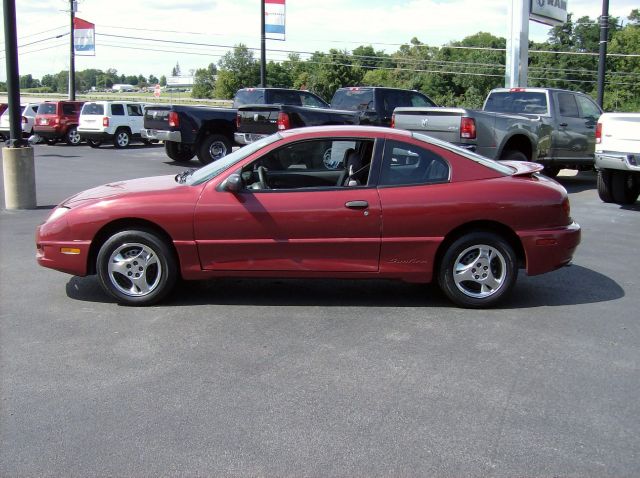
(220, 24)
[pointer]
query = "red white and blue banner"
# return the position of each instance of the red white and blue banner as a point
(84, 37)
(274, 15)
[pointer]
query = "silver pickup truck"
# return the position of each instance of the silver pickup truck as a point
(550, 126)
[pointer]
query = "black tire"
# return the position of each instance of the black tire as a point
(122, 138)
(604, 185)
(72, 137)
(140, 252)
(178, 152)
(94, 143)
(213, 147)
(514, 156)
(551, 171)
(624, 187)
(51, 142)
(489, 263)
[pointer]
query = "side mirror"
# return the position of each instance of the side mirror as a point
(233, 183)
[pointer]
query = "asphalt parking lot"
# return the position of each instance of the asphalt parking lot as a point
(316, 378)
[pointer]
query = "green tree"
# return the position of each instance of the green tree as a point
(163, 80)
(153, 80)
(176, 70)
(204, 82)
(238, 69)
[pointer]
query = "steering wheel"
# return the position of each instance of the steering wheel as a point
(262, 177)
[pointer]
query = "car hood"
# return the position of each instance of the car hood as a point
(131, 187)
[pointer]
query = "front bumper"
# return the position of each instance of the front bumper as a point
(247, 138)
(549, 249)
(161, 135)
(618, 160)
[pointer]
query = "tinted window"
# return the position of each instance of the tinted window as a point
(47, 109)
(92, 109)
(284, 97)
(530, 102)
(404, 164)
(311, 100)
(396, 98)
(353, 99)
(567, 105)
(117, 110)
(134, 110)
(587, 107)
(68, 109)
(247, 97)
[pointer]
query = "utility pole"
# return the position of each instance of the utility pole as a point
(263, 48)
(72, 57)
(602, 59)
(13, 75)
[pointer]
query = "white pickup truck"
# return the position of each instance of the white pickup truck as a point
(618, 157)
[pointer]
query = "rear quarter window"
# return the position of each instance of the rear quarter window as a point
(117, 110)
(68, 109)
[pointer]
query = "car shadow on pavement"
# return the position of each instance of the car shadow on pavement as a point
(568, 286)
(582, 181)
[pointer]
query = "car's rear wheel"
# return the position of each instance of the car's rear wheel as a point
(179, 152)
(624, 187)
(478, 270)
(122, 138)
(551, 171)
(513, 155)
(213, 147)
(72, 138)
(136, 267)
(604, 185)
(94, 143)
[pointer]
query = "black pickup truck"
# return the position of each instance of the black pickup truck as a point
(208, 132)
(362, 105)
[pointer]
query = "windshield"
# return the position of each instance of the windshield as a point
(489, 163)
(47, 109)
(92, 109)
(212, 170)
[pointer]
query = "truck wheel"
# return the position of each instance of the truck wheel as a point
(72, 138)
(213, 147)
(514, 156)
(604, 185)
(478, 270)
(623, 187)
(178, 152)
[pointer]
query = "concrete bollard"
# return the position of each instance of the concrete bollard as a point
(19, 172)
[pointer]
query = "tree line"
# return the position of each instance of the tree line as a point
(458, 74)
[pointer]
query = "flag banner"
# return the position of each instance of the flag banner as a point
(84, 37)
(274, 14)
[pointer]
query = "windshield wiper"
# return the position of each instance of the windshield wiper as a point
(182, 177)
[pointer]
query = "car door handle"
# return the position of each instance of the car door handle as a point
(357, 204)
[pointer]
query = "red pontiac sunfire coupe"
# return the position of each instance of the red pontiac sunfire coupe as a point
(343, 202)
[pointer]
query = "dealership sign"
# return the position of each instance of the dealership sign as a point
(274, 14)
(84, 37)
(549, 12)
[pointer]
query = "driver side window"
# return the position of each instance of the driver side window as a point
(326, 163)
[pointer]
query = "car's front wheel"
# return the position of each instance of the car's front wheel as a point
(137, 267)
(477, 270)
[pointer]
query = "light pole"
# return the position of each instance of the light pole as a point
(602, 59)
(72, 55)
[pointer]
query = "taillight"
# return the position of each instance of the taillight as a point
(599, 133)
(237, 120)
(56, 120)
(174, 120)
(393, 120)
(283, 121)
(105, 121)
(467, 128)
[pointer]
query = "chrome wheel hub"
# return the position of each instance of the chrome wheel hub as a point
(217, 150)
(134, 269)
(480, 271)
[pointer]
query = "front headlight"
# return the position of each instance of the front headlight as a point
(57, 213)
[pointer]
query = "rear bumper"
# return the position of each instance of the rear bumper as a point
(247, 138)
(549, 249)
(618, 160)
(161, 135)
(49, 132)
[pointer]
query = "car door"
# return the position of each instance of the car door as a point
(571, 138)
(589, 112)
(316, 226)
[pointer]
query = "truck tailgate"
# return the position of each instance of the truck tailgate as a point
(620, 132)
(157, 117)
(258, 119)
(441, 123)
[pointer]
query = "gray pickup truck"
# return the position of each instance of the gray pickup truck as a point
(550, 126)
